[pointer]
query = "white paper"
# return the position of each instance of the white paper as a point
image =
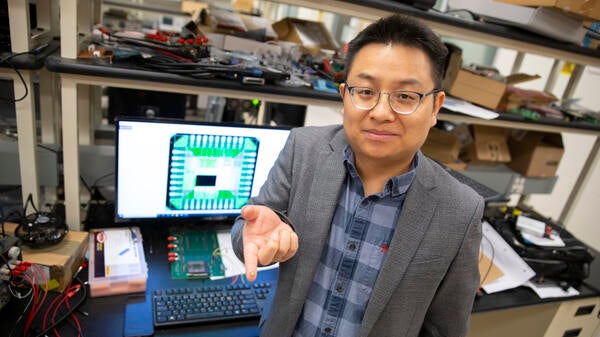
(532, 226)
(458, 105)
(121, 253)
(516, 271)
(548, 290)
(233, 265)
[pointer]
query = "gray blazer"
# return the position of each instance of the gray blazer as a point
(428, 281)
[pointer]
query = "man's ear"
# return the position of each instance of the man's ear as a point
(437, 105)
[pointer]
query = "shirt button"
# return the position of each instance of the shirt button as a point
(327, 330)
(352, 246)
(339, 288)
(365, 202)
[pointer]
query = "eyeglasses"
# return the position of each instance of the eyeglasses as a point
(403, 102)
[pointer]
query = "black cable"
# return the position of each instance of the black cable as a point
(21, 317)
(29, 201)
(57, 152)
(101, 178)
(85, 184)
(7, 61)
(72, 309)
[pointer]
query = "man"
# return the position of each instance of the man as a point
(377, 239)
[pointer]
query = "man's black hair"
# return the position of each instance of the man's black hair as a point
(406, 31)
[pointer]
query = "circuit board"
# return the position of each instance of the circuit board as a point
(194, 254)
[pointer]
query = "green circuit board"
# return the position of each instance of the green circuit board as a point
(196, 254)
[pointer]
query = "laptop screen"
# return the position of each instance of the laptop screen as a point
(181, 169)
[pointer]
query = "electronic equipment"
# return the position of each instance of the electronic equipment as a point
(210, 303)
(11, 254)
(42, 229)
(144, 103)
(175, 169)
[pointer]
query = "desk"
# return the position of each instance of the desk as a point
(29, 65)
(493, 314)
(106, 314)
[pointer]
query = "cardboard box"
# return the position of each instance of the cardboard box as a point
(58, 262)
(534, 153)
(234, 43)
(259, 23)
(583, 9)
(477, 89)
(442, 146)
(312, 35)
(481, 90)
(453, 65)
(489, 146)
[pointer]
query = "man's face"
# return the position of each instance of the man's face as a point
(381, 135)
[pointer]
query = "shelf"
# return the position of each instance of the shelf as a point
(506, 181)
(479, 32)
(126, 74)
(74, 73)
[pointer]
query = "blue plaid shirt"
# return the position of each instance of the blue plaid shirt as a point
(360, 235)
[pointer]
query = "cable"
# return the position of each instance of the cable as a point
(7, 61)
(82, 288)
(101, 178)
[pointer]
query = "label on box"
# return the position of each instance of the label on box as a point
(116, 253)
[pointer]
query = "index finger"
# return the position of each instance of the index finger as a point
(251, 260)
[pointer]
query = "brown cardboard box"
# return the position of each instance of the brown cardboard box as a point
(312, 35)
(477, 89)
(583, 9)
(58, 262)
(481, 90)
(489, 146)
(453, 64)
(534, 153)
(442, 146)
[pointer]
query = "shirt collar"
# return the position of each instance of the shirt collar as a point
(396, 186)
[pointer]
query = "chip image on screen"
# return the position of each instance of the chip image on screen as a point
(210, 172)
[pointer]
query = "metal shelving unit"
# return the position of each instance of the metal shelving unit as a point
(73, 82)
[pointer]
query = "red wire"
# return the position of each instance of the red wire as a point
(70, 291)
(41, 302)
(75, 319)
(31, 311)
(64, 299)
(48, 311)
